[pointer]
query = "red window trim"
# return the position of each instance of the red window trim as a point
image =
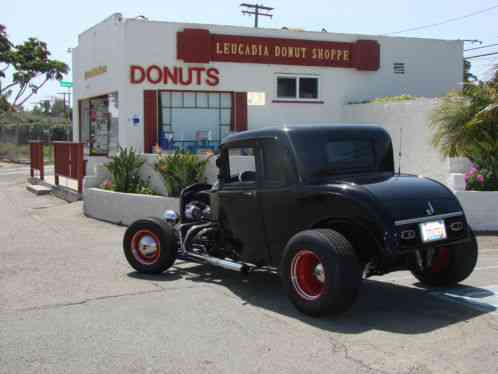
(150, 120)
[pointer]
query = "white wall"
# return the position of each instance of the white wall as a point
(413, 117)
(101, 45)
(481, 209)
(433, 67)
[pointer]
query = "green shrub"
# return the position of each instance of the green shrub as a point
(180, 170)
(124, 168)
(466, 124)
(145, 188)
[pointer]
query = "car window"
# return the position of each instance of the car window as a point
(242, 165)
(350, 152)
(274, 163)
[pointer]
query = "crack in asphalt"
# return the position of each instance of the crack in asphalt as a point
(357, 361)
(103, 298)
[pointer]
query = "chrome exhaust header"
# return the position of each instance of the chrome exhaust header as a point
(203, 257)
(215, 261)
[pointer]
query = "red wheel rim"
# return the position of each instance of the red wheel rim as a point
(146, 247)
(441, 261)
(307, 275)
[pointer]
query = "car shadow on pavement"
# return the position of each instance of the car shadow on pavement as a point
(380, 306)
(166, 276)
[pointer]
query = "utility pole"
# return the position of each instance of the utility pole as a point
(68, 94)
(255, 10)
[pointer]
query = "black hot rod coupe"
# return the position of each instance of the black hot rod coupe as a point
(323, 205)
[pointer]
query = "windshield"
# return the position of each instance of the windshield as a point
(338, 152)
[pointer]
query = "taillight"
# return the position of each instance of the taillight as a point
(456, 226)
(408, 234)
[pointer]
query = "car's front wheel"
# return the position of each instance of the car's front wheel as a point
(320, 272)
(150, 246)
(450, 265)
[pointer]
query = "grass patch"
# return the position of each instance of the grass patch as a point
(386, 99)
(13, 152)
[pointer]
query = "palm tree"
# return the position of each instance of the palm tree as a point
(466, 124)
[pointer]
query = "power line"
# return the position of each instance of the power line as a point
(483, 55)
(445, 21)
(257, 11)
(484, 46)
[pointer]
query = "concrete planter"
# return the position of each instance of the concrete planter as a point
(124, 208)
(481, 209)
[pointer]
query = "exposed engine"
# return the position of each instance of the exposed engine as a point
(198, 234)
(197, 211)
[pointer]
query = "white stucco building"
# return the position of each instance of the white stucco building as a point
(144, 83)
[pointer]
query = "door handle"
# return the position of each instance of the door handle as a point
(248, 194)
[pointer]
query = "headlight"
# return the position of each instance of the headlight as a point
(170, 216)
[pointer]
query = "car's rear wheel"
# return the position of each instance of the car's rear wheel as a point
(450, 265)
(150, 246)
(320, 272)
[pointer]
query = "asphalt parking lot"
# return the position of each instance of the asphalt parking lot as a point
(69, 303)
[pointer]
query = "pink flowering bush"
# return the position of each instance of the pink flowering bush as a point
(106, 185)
(480, 179)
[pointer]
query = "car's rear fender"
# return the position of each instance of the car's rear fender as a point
(360, 234)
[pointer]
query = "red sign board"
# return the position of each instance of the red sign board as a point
(200, 46)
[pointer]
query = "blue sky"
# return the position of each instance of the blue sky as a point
(59, 22)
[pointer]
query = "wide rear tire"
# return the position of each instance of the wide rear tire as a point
(150, 246)
(320, 272)
(451, 265)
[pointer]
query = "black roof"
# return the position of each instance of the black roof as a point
(269, 132)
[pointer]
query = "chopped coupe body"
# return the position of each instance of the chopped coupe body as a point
(318, 203)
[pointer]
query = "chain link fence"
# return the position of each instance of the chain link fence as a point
(15, 138)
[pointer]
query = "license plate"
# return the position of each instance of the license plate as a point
(432, 231)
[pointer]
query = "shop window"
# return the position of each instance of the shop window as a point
(166, 99)
(214, 100)
(297, 88)
(286, 88)
(308, 88)
(226, 117)
(99, 124)
(194, 121)
(202, 100)
(225, 100)
(189, 99)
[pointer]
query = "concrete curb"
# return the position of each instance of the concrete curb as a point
(124, 208)
(62, 192)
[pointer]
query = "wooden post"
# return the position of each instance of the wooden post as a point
(42, 162)
(56, 159)
(36, 159)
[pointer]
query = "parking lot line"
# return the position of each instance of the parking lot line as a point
(405, 277)
(482, 298)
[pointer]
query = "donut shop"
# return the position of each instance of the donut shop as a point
(156, 85)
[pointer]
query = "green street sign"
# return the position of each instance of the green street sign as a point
(66, 84)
